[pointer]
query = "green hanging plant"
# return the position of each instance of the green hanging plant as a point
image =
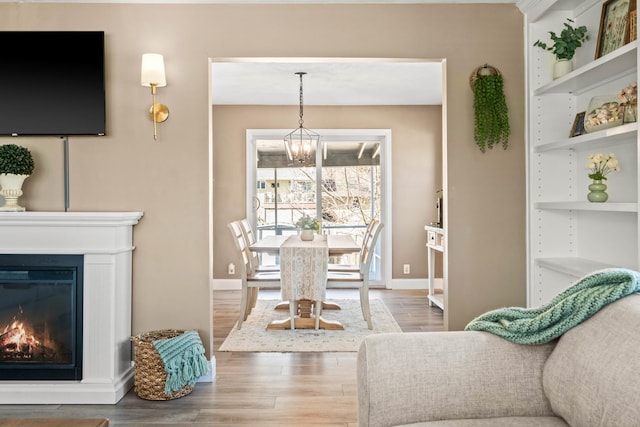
(491, 112)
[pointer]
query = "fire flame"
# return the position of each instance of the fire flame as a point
(19, 338)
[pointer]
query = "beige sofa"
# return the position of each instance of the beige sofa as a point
(590, 376)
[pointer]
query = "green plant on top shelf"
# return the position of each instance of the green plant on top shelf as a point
(564, 46)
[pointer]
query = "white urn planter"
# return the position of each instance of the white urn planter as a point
(562, 67)
(11, 190)
(306, 235)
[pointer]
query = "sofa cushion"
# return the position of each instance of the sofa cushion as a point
(592, 376)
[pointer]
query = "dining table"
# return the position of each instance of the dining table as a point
(303, 276)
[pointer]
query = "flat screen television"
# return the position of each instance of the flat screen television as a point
(52, 83)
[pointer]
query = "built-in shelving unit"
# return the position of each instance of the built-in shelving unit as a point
(568, 236)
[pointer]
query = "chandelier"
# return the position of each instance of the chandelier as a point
(300, 142)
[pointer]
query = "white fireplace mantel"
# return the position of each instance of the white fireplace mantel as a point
(106, 241)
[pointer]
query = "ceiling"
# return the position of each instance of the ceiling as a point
(329, 81)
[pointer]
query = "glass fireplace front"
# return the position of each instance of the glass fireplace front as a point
(41, 317)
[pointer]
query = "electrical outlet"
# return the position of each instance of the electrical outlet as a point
(231, 269)
(406, 269)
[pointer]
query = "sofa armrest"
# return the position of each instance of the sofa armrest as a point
(414, 377)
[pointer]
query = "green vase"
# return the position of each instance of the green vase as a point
(597, 192)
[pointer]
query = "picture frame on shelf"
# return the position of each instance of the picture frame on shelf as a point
(578, 125)
(614, 29)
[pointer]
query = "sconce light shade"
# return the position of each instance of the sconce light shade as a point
(152, 75)
(152, 70)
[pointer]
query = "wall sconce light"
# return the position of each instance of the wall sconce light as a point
(152, 75)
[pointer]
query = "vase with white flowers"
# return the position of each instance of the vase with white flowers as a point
(308, 226)
(599, 167)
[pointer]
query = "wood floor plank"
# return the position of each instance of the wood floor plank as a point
(265, 389)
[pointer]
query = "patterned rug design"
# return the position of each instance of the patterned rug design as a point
(255, 337)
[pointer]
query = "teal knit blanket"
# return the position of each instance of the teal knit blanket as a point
(568, 309)
(183, 359)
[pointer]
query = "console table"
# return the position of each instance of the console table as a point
(435, 242)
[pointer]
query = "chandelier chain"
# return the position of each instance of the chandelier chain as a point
(301, 121)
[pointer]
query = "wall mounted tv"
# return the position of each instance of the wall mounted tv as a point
(52, 83)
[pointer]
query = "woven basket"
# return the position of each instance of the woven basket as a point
(150, 377)
(633, 18)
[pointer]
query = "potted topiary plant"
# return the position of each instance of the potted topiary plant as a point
(564, 46)
(16, 165)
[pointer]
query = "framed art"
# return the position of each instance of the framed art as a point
(578, 125)
(614, 25)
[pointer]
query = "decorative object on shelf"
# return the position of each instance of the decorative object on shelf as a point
(308, 226)
(599, 167)
(578, 125)
(614, 26)
(490, 108)
(152, 75)
(629, 100)
(603, 112)
(633, 25)
(16, 165)
(564, 47)
(597, 192)
(300, 143)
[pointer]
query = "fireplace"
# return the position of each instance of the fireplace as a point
(97, 248)
(41, 317)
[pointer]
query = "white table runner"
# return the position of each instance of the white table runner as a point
(303, 268)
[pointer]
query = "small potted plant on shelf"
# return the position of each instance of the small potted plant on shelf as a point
(308, 226)
(16, 165)
(564, 46)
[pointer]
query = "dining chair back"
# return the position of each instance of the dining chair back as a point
(359, 279)
(355, 267)
(250, 238)
(252, 280)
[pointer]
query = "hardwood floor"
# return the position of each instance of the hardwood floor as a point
(257, 389)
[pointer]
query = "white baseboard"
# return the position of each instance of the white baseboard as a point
(226, 284)
(212, 372)
(413, 284)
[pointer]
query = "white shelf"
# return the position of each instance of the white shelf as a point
(588, 206)
(619, 63)
(576, 267)
(437, 299)
(627, 132)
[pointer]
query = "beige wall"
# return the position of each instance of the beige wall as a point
(416, 166)
(168, 179)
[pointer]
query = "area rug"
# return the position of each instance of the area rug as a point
(255, 337)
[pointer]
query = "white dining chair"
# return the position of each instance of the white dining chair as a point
(360, 278)
(252, 280)
(251, 238)
(354, 267)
